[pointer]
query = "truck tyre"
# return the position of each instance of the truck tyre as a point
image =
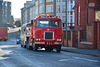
(27, 44)
(28, 47)
(35, 47)
(24, 46)
(21, 45)
(58, 48)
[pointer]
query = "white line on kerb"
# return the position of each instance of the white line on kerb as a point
(86, 59)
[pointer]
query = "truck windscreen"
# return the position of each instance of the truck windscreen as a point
(47, 23)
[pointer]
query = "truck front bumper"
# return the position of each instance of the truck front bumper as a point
(54, 43)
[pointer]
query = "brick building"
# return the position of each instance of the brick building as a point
(87, 21)
(86, 12)
(87, 26)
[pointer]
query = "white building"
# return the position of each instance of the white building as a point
(28, 12)
(61, 11)
(70, 13)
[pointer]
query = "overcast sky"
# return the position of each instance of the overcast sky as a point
(16, 6)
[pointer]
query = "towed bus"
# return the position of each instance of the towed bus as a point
(25, 32)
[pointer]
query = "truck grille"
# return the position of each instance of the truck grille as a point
(48, 35)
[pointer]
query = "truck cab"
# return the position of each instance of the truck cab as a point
(46, 33)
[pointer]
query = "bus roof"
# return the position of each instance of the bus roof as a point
(27, 25)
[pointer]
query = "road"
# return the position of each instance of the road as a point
(12, 55)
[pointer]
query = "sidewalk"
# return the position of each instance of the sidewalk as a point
(92, 52)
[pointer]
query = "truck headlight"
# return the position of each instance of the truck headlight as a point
(37, 39)
(58, 39)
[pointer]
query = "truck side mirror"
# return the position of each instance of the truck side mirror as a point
(32, 22)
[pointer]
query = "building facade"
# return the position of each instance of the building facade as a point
(87, 23)
(70, 14)
(7, 13)
(28, 12)
(61, 11)
(86, 12)
(1, 13)
(54, 8)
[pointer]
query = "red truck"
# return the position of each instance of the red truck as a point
(46, 32)
(3, 34)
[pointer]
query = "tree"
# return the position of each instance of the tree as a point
(18, 23)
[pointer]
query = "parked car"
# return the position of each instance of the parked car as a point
(8, 28)
(18, 40)
(14, 26)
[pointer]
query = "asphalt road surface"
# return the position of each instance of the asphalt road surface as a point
(12, 55)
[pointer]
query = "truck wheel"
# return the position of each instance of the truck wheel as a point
(24, 46)
(21, 45)
(28, 47)
(58, 48)
(35, 47)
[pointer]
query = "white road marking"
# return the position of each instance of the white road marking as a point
(86, 59)
(4, 64)
(64, 59)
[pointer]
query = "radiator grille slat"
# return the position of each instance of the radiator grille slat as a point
(48, 35)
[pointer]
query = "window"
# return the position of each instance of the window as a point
(64, 25)
(41, 9)
(42, 23)
(97, 13)
(2, 4)
(68, 19)
(41, 1)
(64, 18)
(71, 1)
(36, 10)
(98, 1)
(71, 19)
(79, 15)
(49, 8)
(36, 3)
(47, 23)
(5, 4)
(59, 8)
(49, 1)
(64, 0)
(71, 8)
(71, 13)
(64, 8)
